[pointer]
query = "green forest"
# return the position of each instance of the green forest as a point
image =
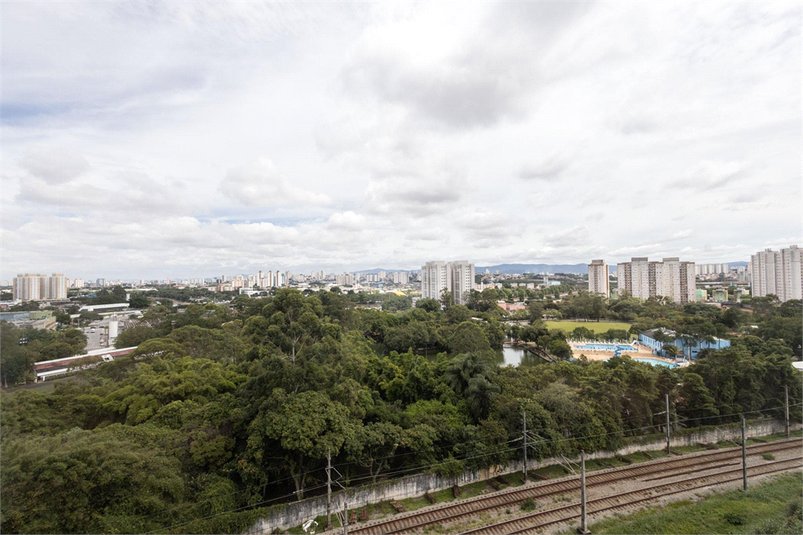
(226, 409)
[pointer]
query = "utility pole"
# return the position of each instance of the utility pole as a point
(786, 420)
(345, 517)
(583, 526)
(744, 457)
(667, 424)
(524, 419)
(328, 488)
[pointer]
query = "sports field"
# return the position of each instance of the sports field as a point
(595, 326)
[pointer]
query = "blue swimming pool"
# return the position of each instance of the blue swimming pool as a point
(606, 347)
(655, 362)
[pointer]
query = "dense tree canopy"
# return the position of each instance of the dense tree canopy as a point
(222, 408)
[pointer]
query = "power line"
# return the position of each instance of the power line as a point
(466, 458)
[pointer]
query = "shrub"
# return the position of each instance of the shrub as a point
(528, 505)
(733, 519)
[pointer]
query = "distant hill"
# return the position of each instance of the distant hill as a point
(534, 268)
(508, 269)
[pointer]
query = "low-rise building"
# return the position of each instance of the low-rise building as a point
(658, 339)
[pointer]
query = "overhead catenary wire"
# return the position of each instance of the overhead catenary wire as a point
(466, 458)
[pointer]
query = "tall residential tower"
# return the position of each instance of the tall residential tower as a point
(598, 278)
(644, 279)
(456, 277)
(778, 273)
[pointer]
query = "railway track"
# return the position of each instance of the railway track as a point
(649, 471)
(537, 521)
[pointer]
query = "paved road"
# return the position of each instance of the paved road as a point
(97, 339)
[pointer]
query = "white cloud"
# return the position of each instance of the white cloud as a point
(525, 131)
(261, 184)
(710, 175)
(347, 221)
(55, 166)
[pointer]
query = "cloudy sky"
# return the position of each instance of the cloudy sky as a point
(184, 139)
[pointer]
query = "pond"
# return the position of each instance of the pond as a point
(513, 356)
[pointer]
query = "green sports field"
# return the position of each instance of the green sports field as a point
(595, 326)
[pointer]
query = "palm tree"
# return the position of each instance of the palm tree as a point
(479, 394)
(464, 368)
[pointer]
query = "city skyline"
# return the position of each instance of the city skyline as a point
(215, 274)
(171, 139)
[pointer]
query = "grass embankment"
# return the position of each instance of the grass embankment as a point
(595, 326)
(772, 507)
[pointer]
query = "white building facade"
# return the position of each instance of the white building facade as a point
(670, 278)
(37, 286)
(598, 278)
(456, 277)
(777, 273)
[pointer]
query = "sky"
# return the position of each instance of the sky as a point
(189, 139)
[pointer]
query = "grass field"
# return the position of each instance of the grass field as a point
(595, 326)
(772, 507)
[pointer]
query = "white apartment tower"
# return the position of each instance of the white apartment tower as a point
(435, 277)
(462, 281)
(456, 277)
(644, 279)
(36, 286)
(598, 278)
(777, 273)
(401, 277)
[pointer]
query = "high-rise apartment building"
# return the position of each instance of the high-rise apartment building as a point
(598, 278)
(346, 279)
(711, 269)
(462, 281)
(56, 287)
(456, 277)
(777, 273)
(644, 279)
(28, 286)
(435, 277)
(36, 286)
(401, 277)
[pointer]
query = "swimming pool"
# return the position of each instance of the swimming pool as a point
(606, 347)
(655, 362)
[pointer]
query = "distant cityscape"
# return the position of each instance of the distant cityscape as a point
(768, 273)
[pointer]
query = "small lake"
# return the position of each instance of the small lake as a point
(513, 356)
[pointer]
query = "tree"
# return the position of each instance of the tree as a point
(462, 369)
(138, 300)
(16, 364)
(479, 396)
(694, 399)
(457, 314)
(87, 482)
(373, 446)
(535, 311)
(670, 350)
(430, 305)
(468, 337)
(397, 303)
(559, 348)
(447, 299)
(135, 335)
(306, 427)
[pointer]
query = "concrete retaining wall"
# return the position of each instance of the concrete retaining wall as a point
(292, 514)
